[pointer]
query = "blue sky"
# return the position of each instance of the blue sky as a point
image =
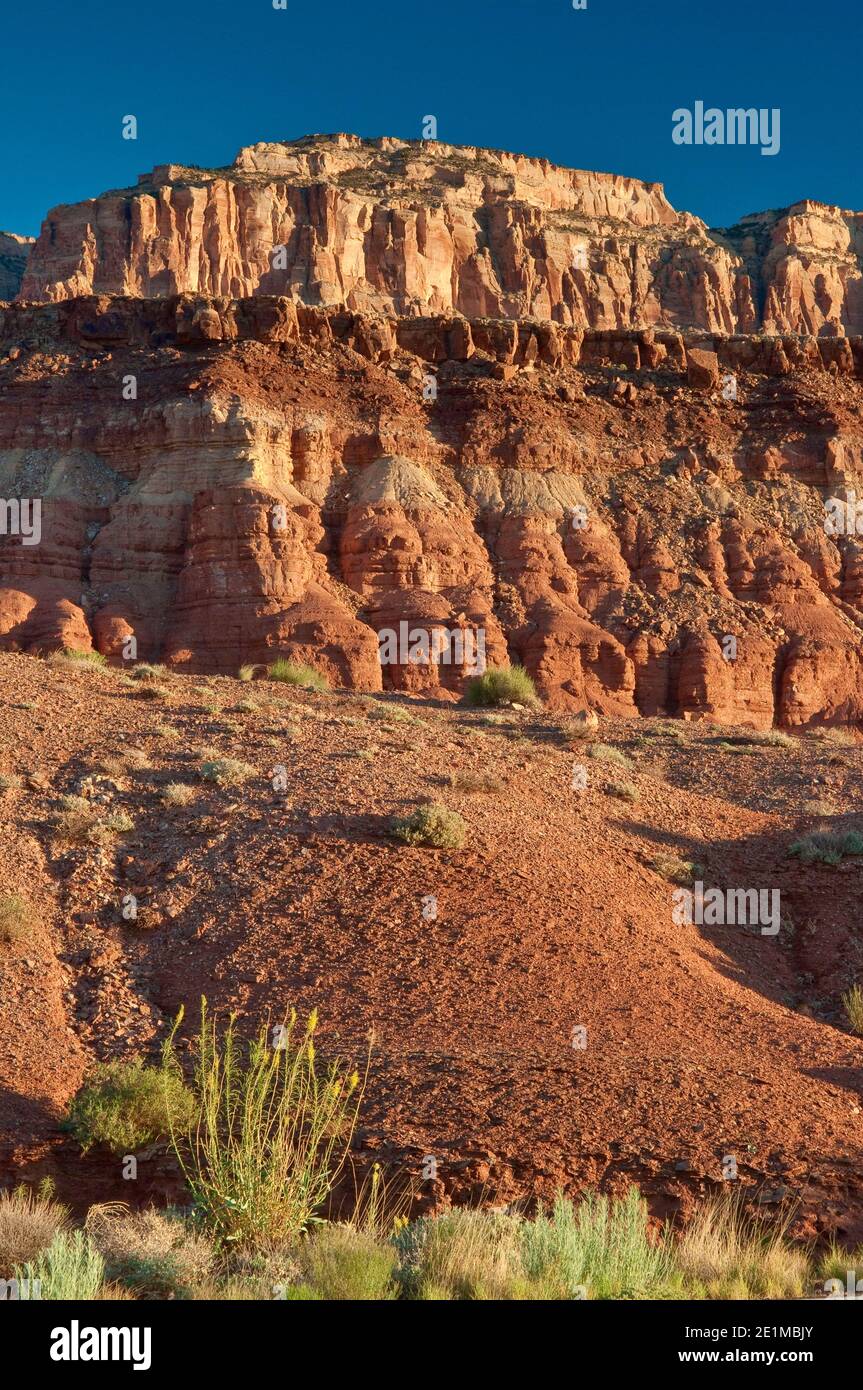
(594, 89)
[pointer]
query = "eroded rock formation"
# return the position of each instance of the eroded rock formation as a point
(14, 251)
(416, 228)
(233, 480)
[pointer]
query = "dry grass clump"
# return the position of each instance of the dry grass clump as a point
(17, 919)
(476, 783)
(79, 822)
(434, 827)
(167, 731)
(148, 671)
(852, 1001)
(396, 714)
(725, 1254)
(827, 846)
(675, 869)
(840, 738)
(298, 673)
(77, 656)
(604, 753)
(178, 794)
(502, 685)
(29, 1221)
(623, 791)
(344, 1263)
(156, 1254)
(129, 760)
(226, 772)
(10, 781)
(151, 691)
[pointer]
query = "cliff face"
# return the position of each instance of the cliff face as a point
(400, 228)
(282, 482)
(14, 251)
(412, 228)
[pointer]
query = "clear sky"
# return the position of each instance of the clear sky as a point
(594, 88)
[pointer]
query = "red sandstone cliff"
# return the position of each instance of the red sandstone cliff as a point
(411, 228)
(703, 516)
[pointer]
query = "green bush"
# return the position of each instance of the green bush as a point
(341, 1262)
(126, 1105)
(827, 847)
(226, 772)
(298, 673)
(69, 1269)
(147, 671)
(434, 826)
(502, 685)
(79, 654)
(604, 753)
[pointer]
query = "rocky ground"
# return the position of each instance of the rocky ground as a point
(701, 1042)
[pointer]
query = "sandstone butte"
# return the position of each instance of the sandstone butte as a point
(634, 426)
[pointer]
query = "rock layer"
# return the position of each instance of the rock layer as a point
(232, 481)
(413, 228)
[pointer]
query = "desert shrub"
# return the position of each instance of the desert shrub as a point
(396, 714)
(341, 1262)
(17, 918)
(130, 760)
(502, 685)
(165, 731)
(246, 672)
(157, 1254)
(604, 753)
(433, 826)
(675, 869)
(463, 1254)
(150, 691)
(601, 1245)
(273, 1130)
(148, 671)
(297, 673)
(723, 1253)
(480, 783)
(226, 772)
(624, 791)
(78, 654)
(840, 738)
(178, 794)
(827, 846)
(126, 1105)
(852, 1001)
(758, 738)
(68, 1269)
(10, 781)
(29, 1221)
